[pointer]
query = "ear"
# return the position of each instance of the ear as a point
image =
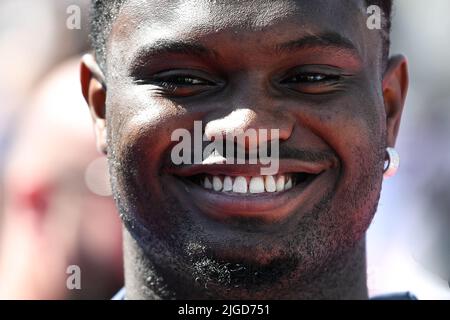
(94, 92)
(395, 87)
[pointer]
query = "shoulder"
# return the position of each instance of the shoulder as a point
(395, 296)
(120, 295)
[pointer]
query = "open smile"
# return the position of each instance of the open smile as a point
(250, 185)
(238, 191)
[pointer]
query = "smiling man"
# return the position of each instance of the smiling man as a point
(313, 71)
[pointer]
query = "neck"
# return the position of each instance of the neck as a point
(344, 278)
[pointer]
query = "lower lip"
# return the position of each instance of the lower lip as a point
(266, 207)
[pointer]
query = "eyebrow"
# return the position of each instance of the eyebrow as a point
(328, 39)
(166, 46)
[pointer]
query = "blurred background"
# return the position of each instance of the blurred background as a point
(56, 206)
(409, 240)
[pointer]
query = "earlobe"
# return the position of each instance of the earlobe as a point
(94, 92)
(395, 88)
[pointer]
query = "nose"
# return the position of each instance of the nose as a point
(256, 124)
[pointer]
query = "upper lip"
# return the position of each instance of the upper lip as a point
(285, 166)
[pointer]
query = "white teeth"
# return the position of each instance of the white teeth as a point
(280, 183)
(256, 185)
(207, 184)
(240, 185)
(288, 184)
(217, 183)
(270, 184)
(227, 184)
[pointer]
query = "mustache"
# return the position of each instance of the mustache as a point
(305, 154)
(284, 152)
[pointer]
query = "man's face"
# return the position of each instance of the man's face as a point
(311, 69)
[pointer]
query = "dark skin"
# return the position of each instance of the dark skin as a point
(309, 68)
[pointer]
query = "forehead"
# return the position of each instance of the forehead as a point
(252, 22)
(241, 13)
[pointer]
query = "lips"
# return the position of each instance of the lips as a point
(225, 191)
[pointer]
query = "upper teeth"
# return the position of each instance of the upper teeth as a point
(241, 184)
(257, 185)
(227, 184)
(217, 183)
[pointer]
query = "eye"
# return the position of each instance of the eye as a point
(178, 85)
(312, 82)
(311, 78)
(184, 81)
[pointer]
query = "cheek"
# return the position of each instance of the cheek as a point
(139, 132)
(140, 126)
(352, 126)
(358, 142)
(139, 143)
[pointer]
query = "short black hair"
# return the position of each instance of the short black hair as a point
(104, 12)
